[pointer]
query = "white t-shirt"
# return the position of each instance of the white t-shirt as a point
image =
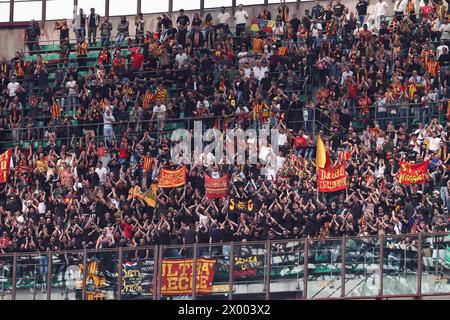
(241, 17)
(159, 111)
(345, 75)
(282, 139)
(223, 17)
(381, 9)
(315, 27)
(12, 88)
(440, 49)
(258, 72)
(400, 5)
(181, 59)
(71, 85)
(42, 208)
(101, 172)
(434, 144)
(445, 29)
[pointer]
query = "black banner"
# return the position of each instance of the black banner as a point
(250, 205)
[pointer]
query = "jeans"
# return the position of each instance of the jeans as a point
(120, 37)
(361, 18)
(43, 265)
(399, 15)
(164, 35)
(308, 153)
(445, 197)
(416, 111)
(33, 45)
(240, 28)
(15, 134)
(226, 249)
(378, 21)
(382, 117)
(104, 41)
(403, 114)
(308, 117)
(301, 152)
(61, 102)
(108, 132)
(426, 115)
(71, 101)
(80, 33)
(92, 32)
(207, 34)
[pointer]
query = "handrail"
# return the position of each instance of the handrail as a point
(236, 244)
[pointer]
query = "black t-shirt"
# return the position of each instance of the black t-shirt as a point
(197, 22)
(183, 20)
(338, 9)
(216, 235)
(92, 20)
(295, 23)
(361, 8)
(203, 236)
(188, 236)
(227, 235)
(163, 237)
(444, 59)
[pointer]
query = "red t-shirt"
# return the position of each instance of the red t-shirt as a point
(127, 228)
(101, 150)
(4, 242)
(123, 153)
(352, 91)
(137, 60)
(300, 142)
(426, 10)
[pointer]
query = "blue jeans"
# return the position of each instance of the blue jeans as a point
(71, 102)
(308, 153)
(382, 118)
(120, 37)
(80, 33)
(426, 115)
(403, 114)
(361, 18)
(104, 41)
(43, 266)
(226, 251)
(108, 132)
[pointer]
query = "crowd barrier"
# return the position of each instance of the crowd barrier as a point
(369, 267)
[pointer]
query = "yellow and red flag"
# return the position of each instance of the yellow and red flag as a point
(5, 159)
(413, 173)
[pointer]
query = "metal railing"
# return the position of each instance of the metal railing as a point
(413, 114)
(368, 267)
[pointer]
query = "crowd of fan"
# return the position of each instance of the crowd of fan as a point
(319, 71)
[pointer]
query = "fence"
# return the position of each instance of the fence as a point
(370, 267)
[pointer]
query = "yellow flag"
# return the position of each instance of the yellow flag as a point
(254, 26)
(150, 195)
(321, 157)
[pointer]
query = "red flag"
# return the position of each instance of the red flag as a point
(330, 180)
(172, 178)
(216, 187)
(413, 173)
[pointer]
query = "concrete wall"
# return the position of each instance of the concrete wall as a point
(12, 40)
